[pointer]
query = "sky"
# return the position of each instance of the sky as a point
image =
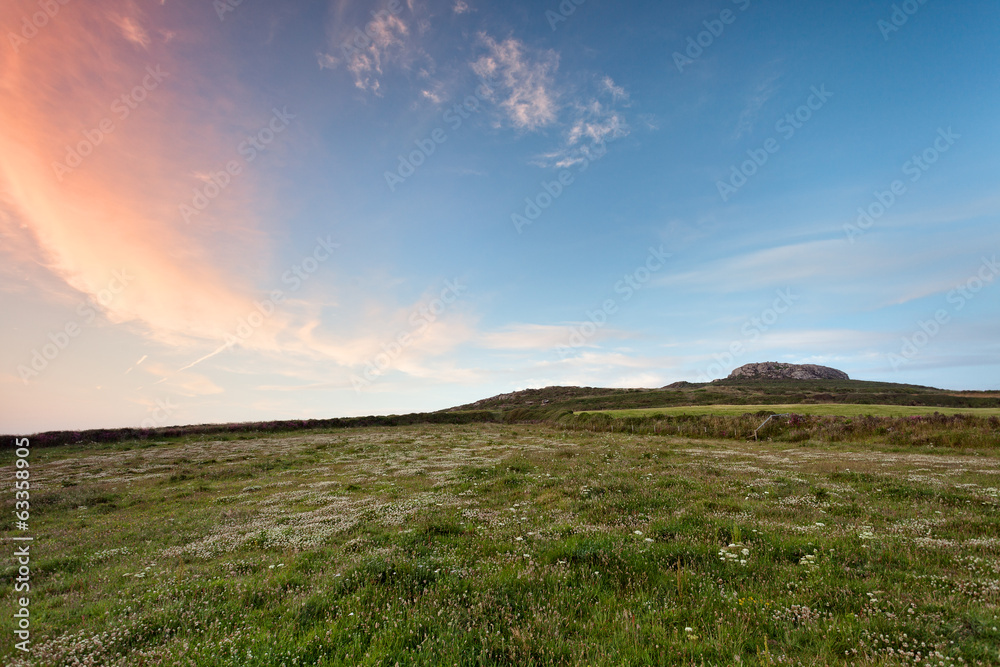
(245, 210)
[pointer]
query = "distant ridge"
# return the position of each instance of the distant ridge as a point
(536, 398)
(784, 385)
(773, 370)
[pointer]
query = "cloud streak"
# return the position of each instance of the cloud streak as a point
(114, 215)
(131, 30)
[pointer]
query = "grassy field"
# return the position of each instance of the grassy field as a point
(842, 410)
(737, 392)
(509, 545)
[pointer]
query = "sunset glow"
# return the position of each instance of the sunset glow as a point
(251, 211)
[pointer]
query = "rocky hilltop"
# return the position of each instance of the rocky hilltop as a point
(772, 370)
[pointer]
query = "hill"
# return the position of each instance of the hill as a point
(736, 391)
(553, 404)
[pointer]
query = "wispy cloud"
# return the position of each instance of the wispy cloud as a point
(136, 364)
(388, 38)
(369, 49)
(435, 93)
(327, 61)
(760, 96)
(524, 81)
(131, 30)
(618, 93)
(597, 124)
(117, 211)
(524, 337)
(888, 270)
(592, 124)
(602, 368)
(185, 384)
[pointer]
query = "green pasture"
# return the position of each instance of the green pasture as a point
(833, 409)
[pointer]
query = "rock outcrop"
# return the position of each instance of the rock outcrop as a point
(772, 370)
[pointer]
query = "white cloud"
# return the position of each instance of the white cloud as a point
(523, 81)
(829, 340)
(366, 64)
(770, 267)
(885, 270)
(598, 124)
(461, 7)
(434, 96)
(368, 49)
(594, 124)
(618, 93)
(601, 368)
(326, 61)
(538, 337)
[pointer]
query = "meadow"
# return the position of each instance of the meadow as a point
(510, 544)
(829, 409)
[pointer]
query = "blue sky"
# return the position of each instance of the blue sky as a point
(575, 220)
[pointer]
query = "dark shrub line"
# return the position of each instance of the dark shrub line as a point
(102, 436)
(932, 430)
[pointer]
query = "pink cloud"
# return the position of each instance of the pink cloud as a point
(524, 81)
(97, 148)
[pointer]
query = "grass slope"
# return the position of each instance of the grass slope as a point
(549, 404)
(838, 409)
(491, 544)
(738, 392)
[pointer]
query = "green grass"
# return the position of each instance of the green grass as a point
(841, 410)
(509, 545)
(738, 392)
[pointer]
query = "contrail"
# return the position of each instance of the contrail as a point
(207, 356)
